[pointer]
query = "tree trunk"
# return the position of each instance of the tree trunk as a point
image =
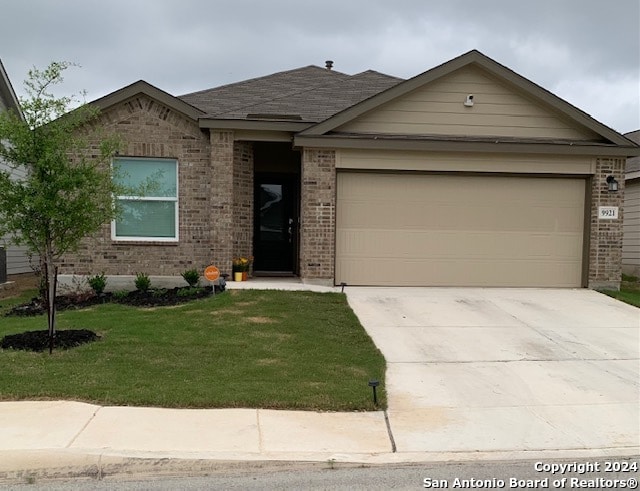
(51, 277)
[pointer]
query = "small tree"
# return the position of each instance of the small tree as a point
(68, 191)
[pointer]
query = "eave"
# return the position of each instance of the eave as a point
(492, 145)
(142, 87)
(472, 58)
(7, 92)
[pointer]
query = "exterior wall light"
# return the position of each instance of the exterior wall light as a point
(612, 183)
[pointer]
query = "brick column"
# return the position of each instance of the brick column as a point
(222, 199)
(605, 247)
(318, 215)
(243, 199)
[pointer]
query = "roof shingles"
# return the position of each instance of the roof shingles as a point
(311, 92)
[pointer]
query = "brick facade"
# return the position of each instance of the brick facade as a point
(221, 195)
(216, 180)
(318, 215)
(149, 129)
(605, 241)
(243, 199)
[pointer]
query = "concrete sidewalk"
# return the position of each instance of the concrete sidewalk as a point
(69, 429)
(58, 439)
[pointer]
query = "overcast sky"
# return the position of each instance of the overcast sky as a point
(585, 51)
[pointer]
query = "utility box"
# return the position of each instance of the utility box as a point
(3, 265)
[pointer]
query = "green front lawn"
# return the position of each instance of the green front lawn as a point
(629, 291)
(247, 348)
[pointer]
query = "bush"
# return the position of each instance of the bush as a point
(143, 283)
(159, 293)
(189, 292)
(120, 294)
(98, 283)
(191, 276)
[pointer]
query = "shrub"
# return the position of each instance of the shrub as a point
(191, 276)
(159, 293)
(188, 292)
(143, 283)
(97, 283)
(120, 294)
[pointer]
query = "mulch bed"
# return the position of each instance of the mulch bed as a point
(151, 298)
(39, 340)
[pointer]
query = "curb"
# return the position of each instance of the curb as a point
(31, 466)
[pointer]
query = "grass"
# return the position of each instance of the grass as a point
(247, 348)
(629, 291)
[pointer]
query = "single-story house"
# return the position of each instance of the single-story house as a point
(18, 258)
(468, 174)
(631, 222)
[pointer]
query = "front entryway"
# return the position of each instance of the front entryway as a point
(275, 233)
(276, 205)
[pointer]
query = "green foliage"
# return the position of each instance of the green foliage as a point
(121, 294)
(68, 190)
(98, 283)
(67, 194)
(159, 292)
(142, 281)
(629, 291)
(188, 291)
(191, 276)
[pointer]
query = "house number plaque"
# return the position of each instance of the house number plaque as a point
(607, 212)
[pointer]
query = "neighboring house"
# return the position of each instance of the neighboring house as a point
(467, 174)
(18, 260)
(631, 243)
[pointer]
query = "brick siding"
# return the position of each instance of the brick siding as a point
(243, 199)
(150, 129)
(318, 210)
(605, 241)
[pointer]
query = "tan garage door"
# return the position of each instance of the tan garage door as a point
(444, 230)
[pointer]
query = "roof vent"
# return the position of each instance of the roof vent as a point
(328, 64)
(272, 116)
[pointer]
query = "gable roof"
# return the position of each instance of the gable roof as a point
(142, 87)
(476, 58)
(633, 164)
(8, 98)
(310, 94)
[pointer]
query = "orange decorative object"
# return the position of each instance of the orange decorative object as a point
(211, 273)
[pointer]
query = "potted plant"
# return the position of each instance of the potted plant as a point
(241, 266)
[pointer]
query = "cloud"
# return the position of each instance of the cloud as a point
(584, 49)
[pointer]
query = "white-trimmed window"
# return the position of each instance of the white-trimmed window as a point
(153, 216)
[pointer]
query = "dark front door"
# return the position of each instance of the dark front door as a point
(276, 220)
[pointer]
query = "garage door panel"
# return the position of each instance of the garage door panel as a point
(467, 272)
(380, 244)
(410, 215)
(443, 231)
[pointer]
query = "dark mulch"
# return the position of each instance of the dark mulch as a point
(150, 298)
(39, 340)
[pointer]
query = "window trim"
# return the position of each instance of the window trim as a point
(175, 200)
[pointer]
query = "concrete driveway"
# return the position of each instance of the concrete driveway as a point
(506, 370)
